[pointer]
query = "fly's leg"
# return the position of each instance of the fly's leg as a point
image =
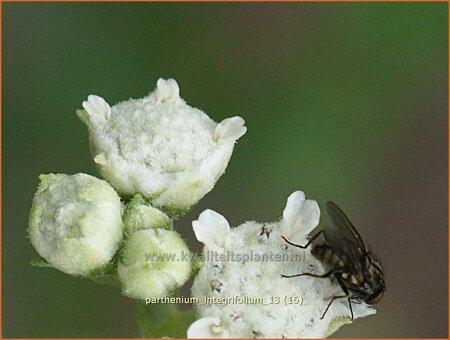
(327, 274)
(332, 300)
(351, 309)
(345, 290)
(307, 244)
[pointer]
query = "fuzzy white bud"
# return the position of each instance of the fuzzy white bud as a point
(154, 260)
(139, 215)
(153, 263)
(75, 222)
(160, 147)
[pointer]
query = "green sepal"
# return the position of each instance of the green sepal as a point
(82, 114)
(107, 275)
(40, 262)
(197, 264)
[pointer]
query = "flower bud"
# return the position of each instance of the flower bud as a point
(160, 147)
(75, 222)
(140, 215)
(248, 297)
(153, 263)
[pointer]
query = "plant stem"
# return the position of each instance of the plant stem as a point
(162, 320)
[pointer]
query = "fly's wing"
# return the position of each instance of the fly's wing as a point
(344, 239)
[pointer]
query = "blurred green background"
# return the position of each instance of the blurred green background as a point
(345, 101)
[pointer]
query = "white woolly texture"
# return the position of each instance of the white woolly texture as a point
(159, 146)
(252, 299)
(75, 222)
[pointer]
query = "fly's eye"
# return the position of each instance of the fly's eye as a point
(375, 298)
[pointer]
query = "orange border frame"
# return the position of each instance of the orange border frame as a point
(374, 1)
(224, 1)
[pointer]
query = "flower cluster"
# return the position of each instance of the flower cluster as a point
(158, 157)
(161, 156)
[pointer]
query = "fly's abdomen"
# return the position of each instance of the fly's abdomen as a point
(327, 255)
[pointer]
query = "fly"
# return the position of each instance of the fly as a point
(344, 252)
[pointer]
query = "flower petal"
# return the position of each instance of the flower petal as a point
(293, 206)
(212, 229)
(166, 90)
(232, 128)
(300, 217)
(208, 327)
(310, 215)
(97, 107)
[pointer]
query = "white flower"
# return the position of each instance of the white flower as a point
(212, 229)
(160, 147)
(300, 217)
(75, 222)
(206, 328)
(153, 263)
(247, 295)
